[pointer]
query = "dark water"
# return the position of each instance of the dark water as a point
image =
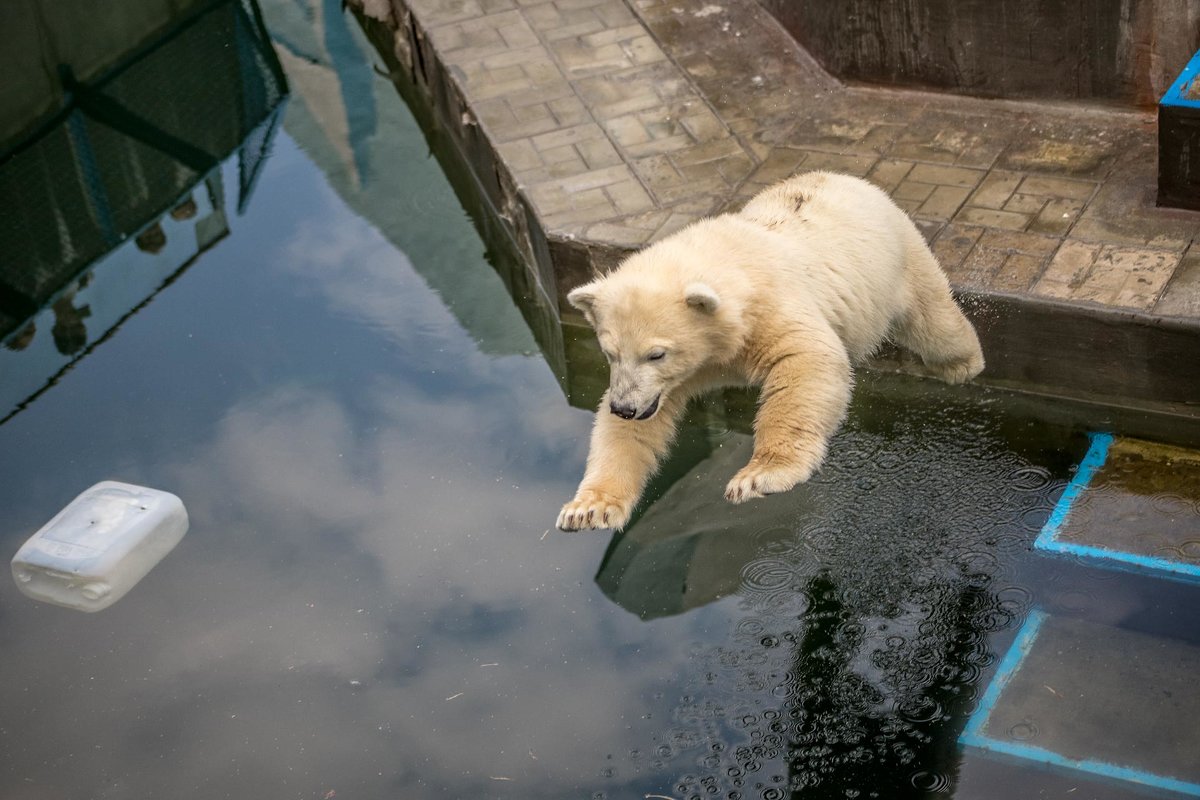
(372, 450)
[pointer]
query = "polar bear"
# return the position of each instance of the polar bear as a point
(788, 294)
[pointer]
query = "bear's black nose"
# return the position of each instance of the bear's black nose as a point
(622, 410)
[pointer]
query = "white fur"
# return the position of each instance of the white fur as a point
(807, 280)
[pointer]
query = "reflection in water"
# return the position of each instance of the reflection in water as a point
(866, 597)
(99, 190)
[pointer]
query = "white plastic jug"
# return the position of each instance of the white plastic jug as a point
(99, 546)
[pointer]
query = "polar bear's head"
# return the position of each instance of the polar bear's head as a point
(654, 337)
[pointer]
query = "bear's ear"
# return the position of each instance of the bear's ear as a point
(701, 296)
(584, 297)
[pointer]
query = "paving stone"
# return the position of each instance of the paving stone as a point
(835, 128)
(550, 199)
(781, 163)
(628, 196)
(658, 172)
(667, 144)
(888, 173)
(1017, 242)
(929, 228)
(1057, 217)
(835, 162)
(567, 154)
(438, 12)
(598, 153)
(704, 125)
(1182, 295)
(568, 111)
(632, 31)
(1018, 273)
(992, 218)
(947, 176)
(713, 187)
(708, 152)
(618, 234)
(1025, 203)
(978, 267)
(580, 59)
(597, 178)
(503, 125)
(912, 190)
(570, 220)
(944, 202)
(960, 139)
(1057, 187)
(1064, 149)
(1007, 261)
(995, 189)
(520, 155)
(576, 133)
(675, 223)
(612, 96)
(1126, 276)
(954, 243)
(585, 23)
(1067, 270)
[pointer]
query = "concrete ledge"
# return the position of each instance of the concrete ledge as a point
(592, 127)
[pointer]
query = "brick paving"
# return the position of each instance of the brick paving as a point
(616, 122)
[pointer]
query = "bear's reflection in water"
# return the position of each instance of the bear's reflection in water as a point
(865, 601)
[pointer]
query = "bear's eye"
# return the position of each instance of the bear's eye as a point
(655, 355)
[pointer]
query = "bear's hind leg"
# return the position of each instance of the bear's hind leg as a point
(933, 326)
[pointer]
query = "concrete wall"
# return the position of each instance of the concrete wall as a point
(1122, 51)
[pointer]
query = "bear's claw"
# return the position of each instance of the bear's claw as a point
(754, 481)
(592, 510)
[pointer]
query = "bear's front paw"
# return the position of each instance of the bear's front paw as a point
(959, 370)
(759, 480)
(592, 509)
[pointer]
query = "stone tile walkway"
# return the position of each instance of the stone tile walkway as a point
(616, 122)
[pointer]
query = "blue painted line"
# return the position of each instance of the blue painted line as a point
(1008, 667)
(1094, 459)
(1174, 95)
(1099, 768)
(1130, 561)
(973, 735)
(1048, 539)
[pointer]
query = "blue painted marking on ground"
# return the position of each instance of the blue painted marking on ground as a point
(1174, 95)
(1008, 667)
(1099, 768)
(1092, 461)
(1048, 540)
(1129, 561)
(973, 735)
